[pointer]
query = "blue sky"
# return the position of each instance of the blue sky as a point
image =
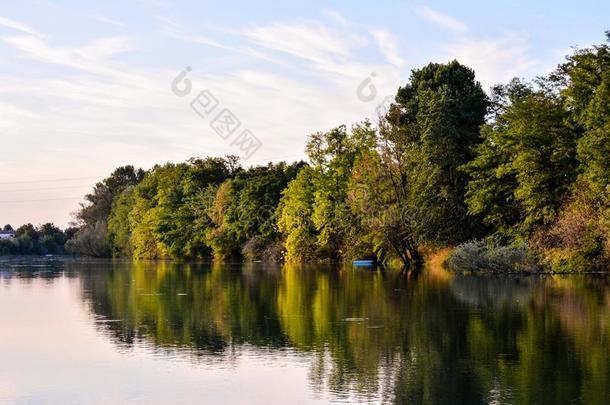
(85, 86)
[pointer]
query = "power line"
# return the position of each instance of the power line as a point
(43, 189)
(245, 162)
(48, 180)
(40, 200)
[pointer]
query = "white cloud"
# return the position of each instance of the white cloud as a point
(388, 44)
(315, 43)
(16, 25)
(106, 48)
(196, 39)
(109, 21)
(173, 30)
(495, 60)
(442, 20)
(87, 57)
(336, 17)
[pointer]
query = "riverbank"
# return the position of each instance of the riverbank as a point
(485, 257)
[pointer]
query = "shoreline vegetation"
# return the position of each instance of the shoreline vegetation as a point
(515, 181)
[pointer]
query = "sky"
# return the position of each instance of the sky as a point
(86, 86)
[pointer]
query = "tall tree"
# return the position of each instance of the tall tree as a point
(314, 210)
(586, 93)
(99, 203)
(527, 161)
(437, 118)
(92, 237)
(294, 217)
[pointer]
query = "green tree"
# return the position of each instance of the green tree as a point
(99, 203)
(52, 239)
(379, 195)
(94, 213)
(585, 80)
(332, 155)
(314, 215)
(526, 163)
(578, 239)
(169, 215)
(437, 118)
(119, 230)
(294, 215)
(243, 212)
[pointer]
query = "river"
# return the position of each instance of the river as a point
(111, 332)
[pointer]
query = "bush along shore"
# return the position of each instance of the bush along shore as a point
(447, 165)
(490, 255)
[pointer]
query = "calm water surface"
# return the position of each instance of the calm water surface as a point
(104, 332)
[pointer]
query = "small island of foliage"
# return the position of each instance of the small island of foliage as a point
(515, 180)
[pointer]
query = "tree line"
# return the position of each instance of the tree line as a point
(28, 239)
(448, 164)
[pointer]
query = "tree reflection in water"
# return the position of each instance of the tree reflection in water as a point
(372, 335)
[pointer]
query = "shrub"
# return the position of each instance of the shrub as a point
(491, 256)
(578, 240)
(274, 252)
(256, 248)
(90, 241)
(252, 248)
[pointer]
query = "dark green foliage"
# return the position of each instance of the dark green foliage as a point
(169, 215)
(526, 162)
(586, 93)
(437, 117)
(90, 240)
(542, 172)
(245, 214)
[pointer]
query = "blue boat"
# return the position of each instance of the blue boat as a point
(363, 263)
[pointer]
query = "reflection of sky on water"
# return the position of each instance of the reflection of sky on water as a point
(51, 354)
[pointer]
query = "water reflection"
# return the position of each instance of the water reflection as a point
(364, 335)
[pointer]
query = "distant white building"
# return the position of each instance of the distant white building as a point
(7, 235)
